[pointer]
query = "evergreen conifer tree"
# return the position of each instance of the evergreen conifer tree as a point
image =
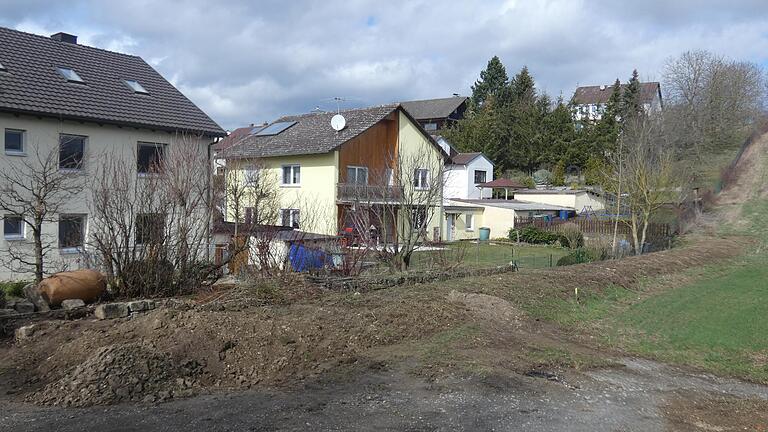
(492, 80)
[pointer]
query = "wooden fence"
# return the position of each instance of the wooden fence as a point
(593, 225)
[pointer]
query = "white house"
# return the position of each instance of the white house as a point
(80, 105)
(590, 102)
(464, 173)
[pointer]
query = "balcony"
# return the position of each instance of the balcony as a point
(354, 192)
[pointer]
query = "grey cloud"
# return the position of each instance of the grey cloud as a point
(245, 61)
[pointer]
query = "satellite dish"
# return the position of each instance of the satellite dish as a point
(338, 122)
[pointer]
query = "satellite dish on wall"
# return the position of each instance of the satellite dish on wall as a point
(338, 122)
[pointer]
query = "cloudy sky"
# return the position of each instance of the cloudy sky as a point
(251, 61)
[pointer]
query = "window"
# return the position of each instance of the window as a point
(71, 152)
(470, 222)
(70, 75)
(290, 218)
(389, 175)
(135, 86)
(421, 178)
(291, 175)
(357, 175)
(13, 227)
(71, 231)
(2, 68)
(150, 228)
(419, 218)
(149, 157)
(14, 141)
(480, 176)
(430, 126)
(251, 176)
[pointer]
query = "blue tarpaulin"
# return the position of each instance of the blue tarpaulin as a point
(303, 258)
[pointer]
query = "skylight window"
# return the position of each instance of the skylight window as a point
(2, 68)
(70, 75)
(275, 128)
(135, 86)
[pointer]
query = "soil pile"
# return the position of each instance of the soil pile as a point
(120, 373)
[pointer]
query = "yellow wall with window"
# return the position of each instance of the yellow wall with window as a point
(314, 196)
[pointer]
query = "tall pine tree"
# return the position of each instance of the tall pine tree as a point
(492, 80)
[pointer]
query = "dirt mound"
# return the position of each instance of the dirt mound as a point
(120, 373)
(487, 307)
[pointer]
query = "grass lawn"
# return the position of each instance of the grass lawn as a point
(717, 321)
(491, 254)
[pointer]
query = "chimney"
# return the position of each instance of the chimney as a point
(64, 37)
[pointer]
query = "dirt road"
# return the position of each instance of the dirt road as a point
(642, 396)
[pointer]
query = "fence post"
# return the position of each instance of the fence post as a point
(550, 260)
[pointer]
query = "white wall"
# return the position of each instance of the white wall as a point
(482, 164)
(42, 136)
(460, 179)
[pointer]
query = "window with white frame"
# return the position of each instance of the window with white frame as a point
(430, 126)
(421, 178)
(251, 176)
(480, 176)
(357, 175)
(71, 152)
(14, 141)
(470, 221)
(291, 175)
(13, 227)
(150, 228)
(290, 218)
(71, 231)
(149, 157)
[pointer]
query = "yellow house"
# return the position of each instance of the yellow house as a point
(372, 156)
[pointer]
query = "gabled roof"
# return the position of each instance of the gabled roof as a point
(467, 158)
(512, 204)
(434, 108)
(312, 133)
(31, 84)
(236, 136)
(601, 94)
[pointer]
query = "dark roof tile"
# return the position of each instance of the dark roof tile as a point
(31, 84)
(601, 94)
(434, 108)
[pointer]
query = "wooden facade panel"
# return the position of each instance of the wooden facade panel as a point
(373, 149)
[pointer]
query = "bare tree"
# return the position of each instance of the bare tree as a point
(712, 102)
(642, 174)
(150, 229)
(394, 207)
(37, 191)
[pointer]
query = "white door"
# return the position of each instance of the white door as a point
(450, 226)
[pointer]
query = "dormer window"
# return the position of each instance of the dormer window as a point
(70, 75)
(135, 86)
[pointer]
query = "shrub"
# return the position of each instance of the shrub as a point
(535, 235)
(572, 234)
(13, 289)
(2, 299)
(583, 255)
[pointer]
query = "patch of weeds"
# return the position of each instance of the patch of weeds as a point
(582, 307)
(557, 357)
(13, 288)
(443, 346)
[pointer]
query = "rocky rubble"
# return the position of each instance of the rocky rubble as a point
(121, 373)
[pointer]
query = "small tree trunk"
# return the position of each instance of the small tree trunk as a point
(37, 236)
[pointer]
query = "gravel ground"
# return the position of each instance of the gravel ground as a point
(632, 398)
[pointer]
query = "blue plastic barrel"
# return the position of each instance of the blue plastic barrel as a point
(563, 214)
(485, 234)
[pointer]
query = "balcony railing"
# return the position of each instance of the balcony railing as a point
(353, 192)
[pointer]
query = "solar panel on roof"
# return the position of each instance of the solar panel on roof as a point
(256, 129)
(275, 128)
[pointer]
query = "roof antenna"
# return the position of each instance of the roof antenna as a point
(338, 103)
